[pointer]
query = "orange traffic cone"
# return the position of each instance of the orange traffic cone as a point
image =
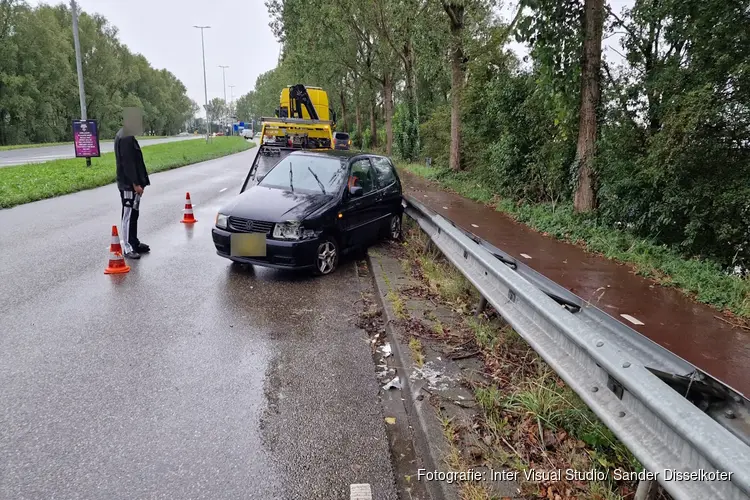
(116, 261)
(188, 218)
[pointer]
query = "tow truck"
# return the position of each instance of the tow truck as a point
(303, 120)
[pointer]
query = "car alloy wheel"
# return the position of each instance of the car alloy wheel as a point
(395, 228)
(327, 257)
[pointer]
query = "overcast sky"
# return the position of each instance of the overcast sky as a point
(162, 30)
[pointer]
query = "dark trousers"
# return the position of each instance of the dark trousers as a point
(131, 202)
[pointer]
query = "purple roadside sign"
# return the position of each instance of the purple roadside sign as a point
(86, 138)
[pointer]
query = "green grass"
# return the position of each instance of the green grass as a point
(69, 143)
(417, 353)
(704, 280)
(26, 183)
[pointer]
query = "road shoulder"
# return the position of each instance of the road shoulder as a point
(440, 406)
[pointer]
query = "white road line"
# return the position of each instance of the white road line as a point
(360, 491)
(633, 320)
(222, 190)
(525, 256)
(445, 208)
(474, 225)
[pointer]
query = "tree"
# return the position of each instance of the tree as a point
(38, 81)
(455, 13)
(585, 195)
(216, 112)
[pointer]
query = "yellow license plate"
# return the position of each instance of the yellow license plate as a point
(248, 245)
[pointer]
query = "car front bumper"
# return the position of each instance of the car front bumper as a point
(280, 254)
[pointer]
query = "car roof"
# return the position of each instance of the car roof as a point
(332, 153)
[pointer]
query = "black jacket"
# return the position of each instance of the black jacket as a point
(131, 170)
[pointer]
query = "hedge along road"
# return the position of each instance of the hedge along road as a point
(41, 154)
(26, 183)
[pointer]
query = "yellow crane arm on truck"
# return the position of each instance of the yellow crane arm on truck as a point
(303, 120)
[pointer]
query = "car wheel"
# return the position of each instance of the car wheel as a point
(394, 227)
(327, 256)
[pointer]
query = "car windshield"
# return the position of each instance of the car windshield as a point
(306, 173)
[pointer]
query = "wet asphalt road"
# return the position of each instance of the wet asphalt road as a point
(185, 378)
(49, 153)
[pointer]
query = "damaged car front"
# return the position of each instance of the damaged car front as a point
(285, 217)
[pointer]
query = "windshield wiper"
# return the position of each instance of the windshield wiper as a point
(291, 183)
(322, 188)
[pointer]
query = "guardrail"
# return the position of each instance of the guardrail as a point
(666, 432)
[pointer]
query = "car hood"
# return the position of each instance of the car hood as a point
(275, 205)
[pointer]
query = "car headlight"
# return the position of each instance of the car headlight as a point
(221, 221)
(291, 230)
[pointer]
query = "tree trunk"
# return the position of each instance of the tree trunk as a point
(388, 111)
(345, 124)
(456, 15)
(373, 124)
(413, 146)
(358, 118)
(585, 195)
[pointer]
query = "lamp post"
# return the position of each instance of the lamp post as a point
(205, 87)
(79, 66)
(231, 102)
(224, 80)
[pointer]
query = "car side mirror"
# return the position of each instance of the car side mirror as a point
(355, 191)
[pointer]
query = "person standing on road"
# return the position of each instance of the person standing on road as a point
(132, 178)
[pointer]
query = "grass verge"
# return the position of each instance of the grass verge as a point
(703, 280)
(26, 183)
(530, 419)
(69, 143)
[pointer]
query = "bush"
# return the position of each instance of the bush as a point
(515, 141)
(366, 138)
(436, 136)
(406, 132)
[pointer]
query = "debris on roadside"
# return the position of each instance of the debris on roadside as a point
(501, 406)
(435, 378)
(395, 383)
(386, 350)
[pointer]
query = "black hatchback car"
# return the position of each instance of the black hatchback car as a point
(308, 209)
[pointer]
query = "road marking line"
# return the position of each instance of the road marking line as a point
(222, 190)
(360, 491)
(633, 320)
(474, 225)
(445, 208)
(525, 256)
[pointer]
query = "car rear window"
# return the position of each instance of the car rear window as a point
(341, 136)
(307, 173)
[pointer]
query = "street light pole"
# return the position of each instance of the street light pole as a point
(205, 87)
(79, 66)
(224, 80)
(231, 102)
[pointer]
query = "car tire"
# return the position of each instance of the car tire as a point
(326, 256)
(395, 227)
